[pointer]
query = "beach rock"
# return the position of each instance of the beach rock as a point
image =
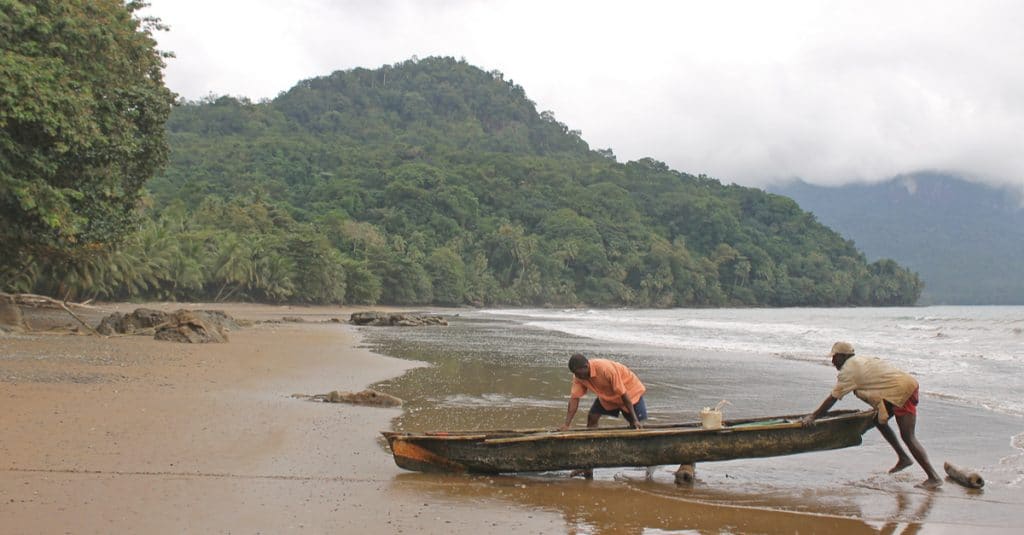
(140, 320)
(146, 320)
(221, 319)
(397, 319)
(195, 327)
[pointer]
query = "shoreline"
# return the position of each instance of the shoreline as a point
(481, 365)
(126, 434)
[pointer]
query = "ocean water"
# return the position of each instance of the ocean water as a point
(506, 368)
(973, 355)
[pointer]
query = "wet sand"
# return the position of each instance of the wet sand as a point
(130, 434)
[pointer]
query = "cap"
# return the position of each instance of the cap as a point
(845, 348)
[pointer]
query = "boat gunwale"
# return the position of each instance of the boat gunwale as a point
(496, 437)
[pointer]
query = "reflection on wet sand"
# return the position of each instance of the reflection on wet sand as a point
(907, 509)
(641, 506)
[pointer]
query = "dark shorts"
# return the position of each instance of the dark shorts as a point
(639, 408)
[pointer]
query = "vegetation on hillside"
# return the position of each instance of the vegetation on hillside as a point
(432, 181)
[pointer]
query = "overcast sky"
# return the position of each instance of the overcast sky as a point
(751, 92)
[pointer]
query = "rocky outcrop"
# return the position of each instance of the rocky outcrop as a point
(142, 320)
(194, 327)
(396, 319)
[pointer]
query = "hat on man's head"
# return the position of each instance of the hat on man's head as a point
(846, 348)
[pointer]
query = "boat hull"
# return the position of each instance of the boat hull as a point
(536, 451)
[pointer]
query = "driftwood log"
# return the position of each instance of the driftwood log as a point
(368, 397)
(41, 301)
(963, 476)
(686, 473)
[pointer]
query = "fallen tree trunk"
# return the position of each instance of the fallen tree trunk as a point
(967, 478)
(41, 301)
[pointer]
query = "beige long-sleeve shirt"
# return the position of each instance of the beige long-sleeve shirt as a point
(874, 381)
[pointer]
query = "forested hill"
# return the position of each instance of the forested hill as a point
(433, 181)
(966, 240)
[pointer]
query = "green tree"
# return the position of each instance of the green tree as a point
(82, 113)
(447, 275)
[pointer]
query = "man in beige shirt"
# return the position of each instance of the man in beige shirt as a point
(888, 389)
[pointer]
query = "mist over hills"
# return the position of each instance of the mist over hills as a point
(965, 240)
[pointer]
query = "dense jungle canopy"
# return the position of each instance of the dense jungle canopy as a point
(433, 181)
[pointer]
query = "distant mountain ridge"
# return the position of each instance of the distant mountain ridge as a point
(966, 240)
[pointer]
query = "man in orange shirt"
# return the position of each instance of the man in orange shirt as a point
(617, 388)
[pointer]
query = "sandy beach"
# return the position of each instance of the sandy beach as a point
(128, 434)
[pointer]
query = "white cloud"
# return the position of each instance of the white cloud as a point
(745, 91)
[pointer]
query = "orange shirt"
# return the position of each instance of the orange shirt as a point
(609, 380)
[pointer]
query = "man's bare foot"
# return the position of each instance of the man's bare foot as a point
(585, 473)
(900, 465)
(929, 484)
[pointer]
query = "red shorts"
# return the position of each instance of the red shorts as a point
(910, 407)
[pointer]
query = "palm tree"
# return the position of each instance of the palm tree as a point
(232, 265)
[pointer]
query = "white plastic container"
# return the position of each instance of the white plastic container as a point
(711, 418)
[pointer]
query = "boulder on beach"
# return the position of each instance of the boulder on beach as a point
(142, 319)
(396, 319)
(196, 327)
(179, 326)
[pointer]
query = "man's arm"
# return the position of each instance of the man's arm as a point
(574, 405)
(627, 410)
(822, 409)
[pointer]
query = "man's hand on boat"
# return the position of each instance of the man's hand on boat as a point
(808, 421)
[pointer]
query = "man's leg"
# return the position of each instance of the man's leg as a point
(904, 460)
(908, 424)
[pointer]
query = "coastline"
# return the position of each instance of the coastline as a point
(490, 372)
(126, 434)
(130, 434)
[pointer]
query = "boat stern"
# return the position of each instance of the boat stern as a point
(410, 455)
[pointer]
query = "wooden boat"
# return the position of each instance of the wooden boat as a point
(537, 450)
